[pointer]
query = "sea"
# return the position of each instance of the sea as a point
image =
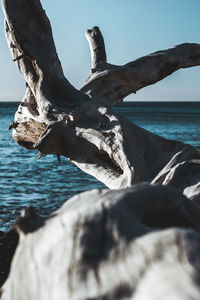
(46, 184)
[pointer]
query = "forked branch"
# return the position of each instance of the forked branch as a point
(110, 84)
(55, 118)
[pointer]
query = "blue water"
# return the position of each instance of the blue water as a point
(46, 184)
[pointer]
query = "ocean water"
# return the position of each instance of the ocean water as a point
(46, 184)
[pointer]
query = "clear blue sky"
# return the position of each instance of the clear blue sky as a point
(131, 28)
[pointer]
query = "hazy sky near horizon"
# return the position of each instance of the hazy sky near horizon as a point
(131, 28)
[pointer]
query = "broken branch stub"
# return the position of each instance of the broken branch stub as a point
(55, 118)
(97, 48)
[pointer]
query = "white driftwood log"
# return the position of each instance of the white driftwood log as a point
(110, 245)
(102, 244)
(55, 118)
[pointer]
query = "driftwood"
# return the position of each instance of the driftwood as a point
(111, 245)
(102, 244)
(55, 118)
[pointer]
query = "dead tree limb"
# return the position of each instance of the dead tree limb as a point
(97, 48)
(110, 84)
(30, 38)
(102, 227)
(55, 118)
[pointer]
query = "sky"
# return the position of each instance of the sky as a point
(131, 28)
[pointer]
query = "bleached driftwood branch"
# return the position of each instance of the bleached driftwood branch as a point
(55, 118)
(97, 48)
(110, 84)
(77, 252)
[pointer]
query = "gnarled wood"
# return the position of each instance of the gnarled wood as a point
(74, 253)
(55, 118)
(110, 84)
(27, 133)
(32, 47)
(79, 250)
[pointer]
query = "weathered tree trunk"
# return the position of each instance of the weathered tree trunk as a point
(102, 244)
(110, 245)
(55, 118)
